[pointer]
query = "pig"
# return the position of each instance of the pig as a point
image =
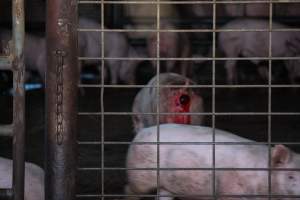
(247, 10)
(256, 44)
(172, 100)
(192, 181)
(89, 45)
(34, 179)
(172, 45)
(115, 46)
(34, 51)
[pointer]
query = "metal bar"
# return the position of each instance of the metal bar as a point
(194, 59)
(61, 99)
(204, 30)
(192, 86)
(270, 102)
(186, 143)
(190, 169)
(18, 67)
(238, 197)
(102, 99)
(6, 130)
(189, 2)
(196, 113)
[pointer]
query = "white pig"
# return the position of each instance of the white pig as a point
(256, 44)
(171, 45)
(194, 181)
(247, 10)
(172, 100)
(34, 179)
(34, 51)
(115, 46)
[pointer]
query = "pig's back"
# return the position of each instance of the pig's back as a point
(254, 43)
(184, 154)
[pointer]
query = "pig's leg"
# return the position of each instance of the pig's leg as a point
(139, 182)
(114, 70)
(290, 66)
(231, 75)
(134, 195)
(263, 72)
(231, 49)
(129, 191)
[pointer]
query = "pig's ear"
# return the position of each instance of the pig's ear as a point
(280, 155)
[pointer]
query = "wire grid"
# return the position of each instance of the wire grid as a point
(213, 86)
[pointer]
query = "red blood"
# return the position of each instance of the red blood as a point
(181, 105)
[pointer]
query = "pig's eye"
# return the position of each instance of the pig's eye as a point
(184, 99)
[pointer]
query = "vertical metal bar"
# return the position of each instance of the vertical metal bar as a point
(158, 97)
(19, 99)
(61, 99)
(270, 101)
(214, 103)
(102, 97)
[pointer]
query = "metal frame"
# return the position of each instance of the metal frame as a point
(214, 30)
(61, 99)
(15, 62)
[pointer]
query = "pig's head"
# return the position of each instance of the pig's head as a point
(285, 182)
(179, 100)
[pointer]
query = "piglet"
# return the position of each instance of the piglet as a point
(188, 179)
(34, 179)
(256, 44)
(34, 51)
(171, 45)
(115, 46)
(171, 100)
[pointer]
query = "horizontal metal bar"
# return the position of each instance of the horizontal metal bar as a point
(188, 196)
(191, 30)
(195, 113)
(189, 2)
(5, 63)
(184, 143)
(6, 130)
(6, 193)
(187, 169)
(189, 86)
(191, 58)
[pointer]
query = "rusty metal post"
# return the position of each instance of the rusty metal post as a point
(61, 99)
(19, 99)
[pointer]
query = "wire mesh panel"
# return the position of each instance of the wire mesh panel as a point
(189, 99)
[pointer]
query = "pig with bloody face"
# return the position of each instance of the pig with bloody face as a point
(256, 44)
(192, 181)
(171, 45)
(171, 100)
